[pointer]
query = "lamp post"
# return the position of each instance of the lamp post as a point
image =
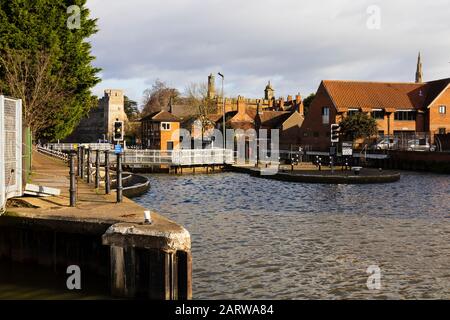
(223, 109)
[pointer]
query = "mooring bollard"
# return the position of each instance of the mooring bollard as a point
(88, 163)
(119, 187)
(97, 169)
(107, 182)
(73, 187)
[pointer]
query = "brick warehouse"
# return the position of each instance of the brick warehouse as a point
(397, 107)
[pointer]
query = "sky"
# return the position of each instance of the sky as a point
(293, 43)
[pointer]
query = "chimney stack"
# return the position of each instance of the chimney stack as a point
(241, 105)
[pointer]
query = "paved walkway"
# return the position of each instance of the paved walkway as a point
(92, 205)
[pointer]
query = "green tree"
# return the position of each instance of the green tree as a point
(131, 108)
(32, 32)
(358, 125)
(307, 102)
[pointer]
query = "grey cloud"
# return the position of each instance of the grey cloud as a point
(294, 43)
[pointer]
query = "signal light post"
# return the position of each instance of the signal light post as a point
(118, 136)
(334, 136)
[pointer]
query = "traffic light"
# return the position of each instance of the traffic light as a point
(335, 128)
(118, 131)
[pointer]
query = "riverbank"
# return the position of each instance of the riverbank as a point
(102, 237)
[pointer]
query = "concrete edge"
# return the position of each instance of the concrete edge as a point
(146, 236)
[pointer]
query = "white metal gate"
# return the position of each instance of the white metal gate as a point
(10, 149)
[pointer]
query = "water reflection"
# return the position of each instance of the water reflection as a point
(255, 238)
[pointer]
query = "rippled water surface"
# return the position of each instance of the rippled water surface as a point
(254, 238)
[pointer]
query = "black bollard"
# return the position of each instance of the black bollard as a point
(73, 186)
(81, 160)
(88, 163)
(97, 169)
(107, 182)
(119, 178)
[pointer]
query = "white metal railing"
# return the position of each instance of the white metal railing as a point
(10, 149)
(74, 146)
(144, 157)
(202, 156)
(53, 153)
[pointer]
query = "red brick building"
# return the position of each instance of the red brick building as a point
(397, 107)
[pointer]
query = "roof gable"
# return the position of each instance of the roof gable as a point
(161, 116)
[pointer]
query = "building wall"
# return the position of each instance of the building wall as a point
(438, 120)
(167, 136)
(100, 121)
(156, 139)
(290, 131)
(90, 128)
(313, 132)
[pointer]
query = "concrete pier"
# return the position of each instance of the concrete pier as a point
(101, 236)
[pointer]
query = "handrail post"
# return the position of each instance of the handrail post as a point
(88, 162)
(81, 160)
(97, 168)
(107, 180)
(119, 187)
(73, 187)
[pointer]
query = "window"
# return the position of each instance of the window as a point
(165, 126)
(325, 115)
(442, 109)
(352, 112)
(405, 115)
(377, 114)
(441, 130)
(381, 133)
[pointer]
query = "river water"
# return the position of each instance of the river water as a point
(262, 239)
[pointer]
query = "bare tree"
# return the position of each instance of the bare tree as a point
(157, 97)
(28, 76)
(197, 97)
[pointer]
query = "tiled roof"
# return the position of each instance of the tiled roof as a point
(374, 95)
(268, 119)
(434, 89)
(161, 116)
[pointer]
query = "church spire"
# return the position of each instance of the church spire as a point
(419, 73)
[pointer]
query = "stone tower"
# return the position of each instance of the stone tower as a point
(419, 74)
(269, 93)
(211, 86)
(113, 105)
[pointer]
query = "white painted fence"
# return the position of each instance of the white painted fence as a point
(10, 149)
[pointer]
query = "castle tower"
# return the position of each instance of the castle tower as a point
(419, 73)
(113, 105)
(269, 93)
(211, 86)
